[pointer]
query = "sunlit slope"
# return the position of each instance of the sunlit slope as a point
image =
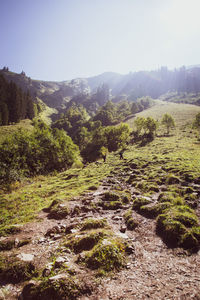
(183, 114)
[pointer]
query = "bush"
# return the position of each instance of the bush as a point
(38, 152)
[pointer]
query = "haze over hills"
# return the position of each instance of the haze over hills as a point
(134, 85)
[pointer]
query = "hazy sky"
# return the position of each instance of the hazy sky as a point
(65, 39)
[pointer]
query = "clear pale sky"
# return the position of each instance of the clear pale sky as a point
(65, 39)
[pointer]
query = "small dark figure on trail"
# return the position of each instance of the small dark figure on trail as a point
(104, 157)
(121, 154)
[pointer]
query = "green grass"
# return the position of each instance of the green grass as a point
(5, 131)
(27, 198)
(172, 161)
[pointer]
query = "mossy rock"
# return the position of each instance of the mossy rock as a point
(57, 210)
(172, 179)
(86, 241)
(111, 196)
(130, 222)
(140, 201)
(153, 188)
(60, 287)
(170, 230)
(107, 255)
(91, 223)
(176, 226)
(152, 211)
(7, 245)
(13, 270)
(10, 229)
(113, 205)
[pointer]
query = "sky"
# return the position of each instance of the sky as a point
(64, 39)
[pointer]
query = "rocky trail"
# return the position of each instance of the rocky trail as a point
(152, 270)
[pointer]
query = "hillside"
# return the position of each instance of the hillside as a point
(123, 229)
(183, 82)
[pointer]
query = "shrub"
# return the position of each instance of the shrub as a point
(38, 152)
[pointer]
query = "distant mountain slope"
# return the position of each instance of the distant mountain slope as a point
(134, 85)
(54, 94)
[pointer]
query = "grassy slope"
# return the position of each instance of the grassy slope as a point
(7, 130)
(179, 151)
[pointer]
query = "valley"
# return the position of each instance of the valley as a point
(121, 229)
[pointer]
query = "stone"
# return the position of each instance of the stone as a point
(26, 257)
(123, 229)
(60, 261)
(2, 297)
(129, 250)
(58, 277)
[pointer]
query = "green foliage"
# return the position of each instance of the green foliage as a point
(145, 127)
(111, 137)
(40, 151)
(196, 122)
(15, 105)
(168, 122)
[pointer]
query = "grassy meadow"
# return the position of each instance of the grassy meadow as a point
(174, 155)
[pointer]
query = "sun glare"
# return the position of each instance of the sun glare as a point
(182, 17)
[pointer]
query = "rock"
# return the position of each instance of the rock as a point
(2, 297)
(47, 270)
(123, 229)
(60, 261)
(51, 231)
(129, 250)
(69, 229)
(57, 237)
(27, 291)
(117, 218)
(58, 277)
(26, 257)
(16, 242)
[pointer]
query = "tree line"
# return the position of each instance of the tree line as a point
(15, 104)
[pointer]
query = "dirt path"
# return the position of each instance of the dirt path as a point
(152, 272)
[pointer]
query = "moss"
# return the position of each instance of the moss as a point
(130, 222)
(10, 229)
(110, 205)
(107, 256)
(57, 210)
(111, 196)
(153, 188)
(13, 270)
(7, 245)
(86, 241)
(189, 190)
(176, 225)
(152, 211)
(172, 179)
(140, 201)
(93, 224)
(62, 288)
